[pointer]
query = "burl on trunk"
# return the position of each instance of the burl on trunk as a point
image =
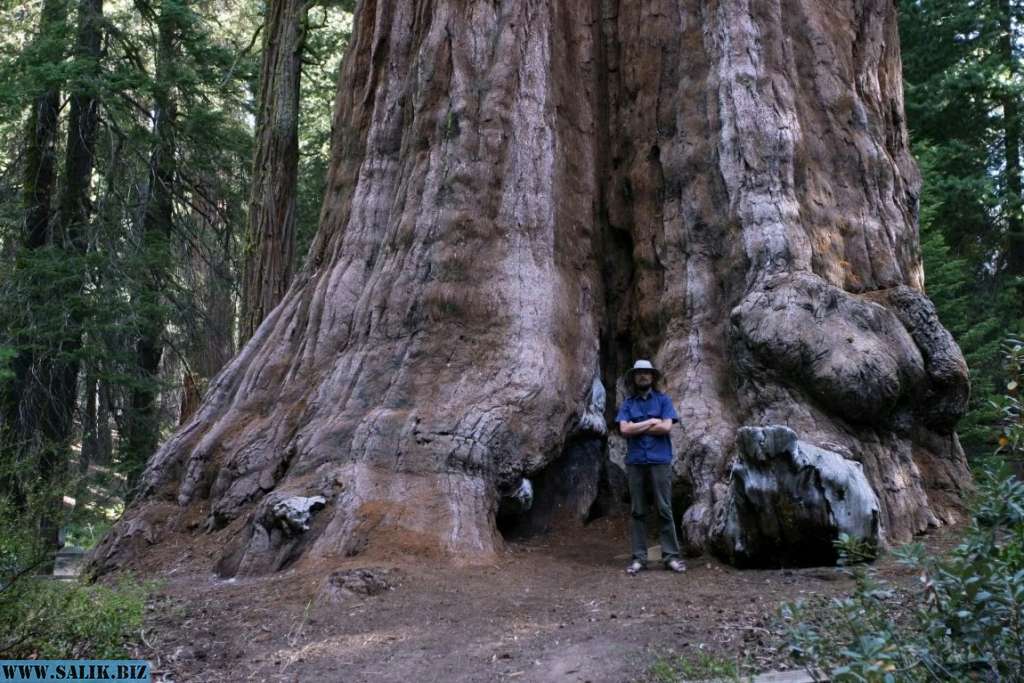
(524, 197)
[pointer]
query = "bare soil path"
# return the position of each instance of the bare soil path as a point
(557, 608)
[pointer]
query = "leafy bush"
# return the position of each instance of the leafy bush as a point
(965, 621)
(699, 666)
(48, 618)
(1011, 434)
(86, 531)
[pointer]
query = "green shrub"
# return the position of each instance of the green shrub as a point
(49, 618)
(1008, 406)
(964, 622)
(698, 666)
(52, 619)
(86, 531)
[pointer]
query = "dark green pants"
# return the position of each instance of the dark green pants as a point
(660, 477)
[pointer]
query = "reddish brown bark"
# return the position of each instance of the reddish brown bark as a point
(270, 240)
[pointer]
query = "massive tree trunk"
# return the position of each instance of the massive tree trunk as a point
(523, 198)
(270, 240)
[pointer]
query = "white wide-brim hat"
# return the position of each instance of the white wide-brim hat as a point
(643, 365)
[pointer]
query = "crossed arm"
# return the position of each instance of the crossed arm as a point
(653, 425)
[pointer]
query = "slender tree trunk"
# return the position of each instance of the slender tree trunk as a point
(207, 270)
(90, 422)
(104, 434)
(41, 157)
(88, 454)
(191, 395)
(270, 239)
(1011, 144)
(523, 198)
(143, 419)
(220, 304)
(71, 238)
(18, 411)
(46, 403)
(61, 370)
(110, 212)
(75, 204)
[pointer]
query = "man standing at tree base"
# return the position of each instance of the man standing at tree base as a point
(645, 419)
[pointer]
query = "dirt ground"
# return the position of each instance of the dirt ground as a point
(555, 608)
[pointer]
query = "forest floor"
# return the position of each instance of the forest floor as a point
(556, 608)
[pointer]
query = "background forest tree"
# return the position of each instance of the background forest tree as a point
(128, 134)
(963, 87)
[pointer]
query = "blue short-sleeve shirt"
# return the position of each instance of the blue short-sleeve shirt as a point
(647, 449)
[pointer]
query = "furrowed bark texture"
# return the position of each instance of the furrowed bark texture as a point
(271, 233)
(526, 196)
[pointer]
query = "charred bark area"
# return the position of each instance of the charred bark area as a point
(524, 198)
(566, 493)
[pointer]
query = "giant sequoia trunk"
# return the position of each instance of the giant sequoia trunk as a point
(524, 196)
